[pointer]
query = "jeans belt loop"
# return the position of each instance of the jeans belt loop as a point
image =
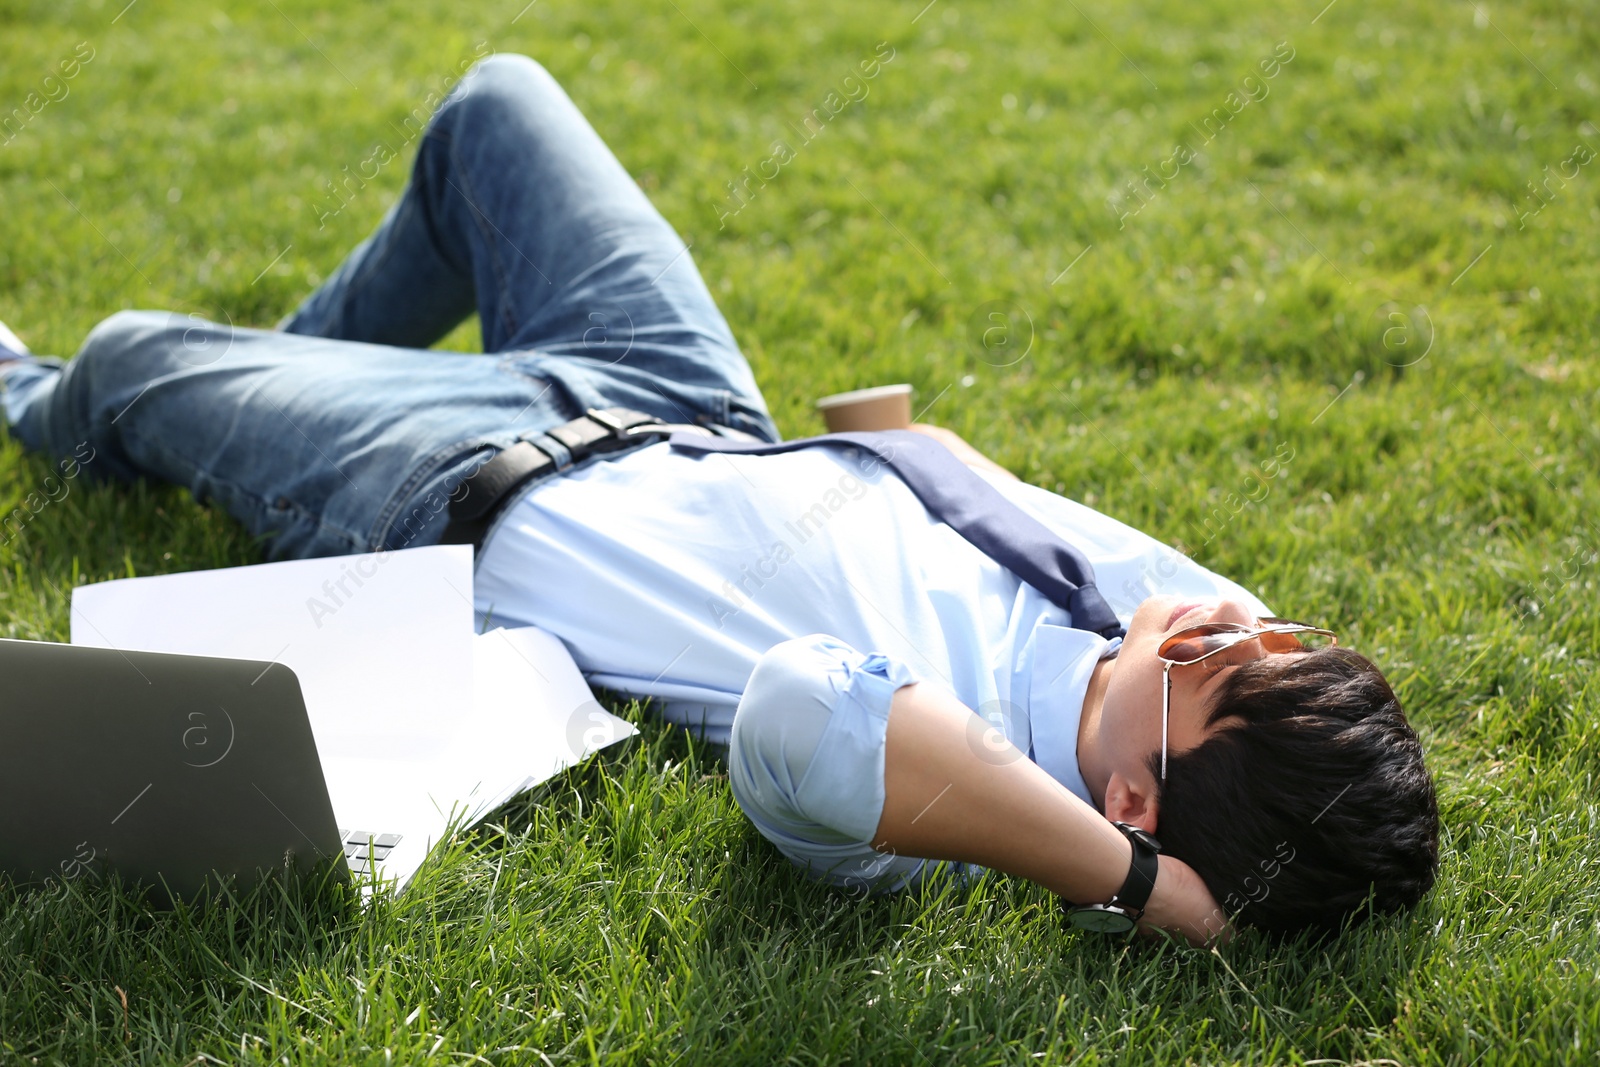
(555, 450)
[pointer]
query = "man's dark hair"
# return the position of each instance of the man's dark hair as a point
(1311, 799)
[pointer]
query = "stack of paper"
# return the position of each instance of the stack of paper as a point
(418, 720)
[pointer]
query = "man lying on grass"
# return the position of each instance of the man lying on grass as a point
(810, 608)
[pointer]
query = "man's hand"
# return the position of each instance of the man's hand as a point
(1181, 904)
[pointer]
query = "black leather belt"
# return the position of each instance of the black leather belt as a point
(596, 432)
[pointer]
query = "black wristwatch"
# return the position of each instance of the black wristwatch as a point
(1122, 912)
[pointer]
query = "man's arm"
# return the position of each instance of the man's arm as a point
(952, 792)
(963, 451)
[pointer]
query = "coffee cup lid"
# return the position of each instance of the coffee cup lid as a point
(857, 396)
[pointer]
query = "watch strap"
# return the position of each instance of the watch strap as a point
(1122, 912)
(1142, 870)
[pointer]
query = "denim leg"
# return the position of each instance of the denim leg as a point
(322, 440)
(516, 206)
(321, 447)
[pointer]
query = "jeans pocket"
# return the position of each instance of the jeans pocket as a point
(292, 532)
(285, 528)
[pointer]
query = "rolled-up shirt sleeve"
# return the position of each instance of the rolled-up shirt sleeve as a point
(806, 759)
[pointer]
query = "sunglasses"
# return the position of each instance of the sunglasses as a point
(1195, 643)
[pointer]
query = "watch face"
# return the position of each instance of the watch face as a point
(1100, 919)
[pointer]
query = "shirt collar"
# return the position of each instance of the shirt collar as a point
(1063, 663)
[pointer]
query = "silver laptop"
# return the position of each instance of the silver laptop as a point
(170, 770)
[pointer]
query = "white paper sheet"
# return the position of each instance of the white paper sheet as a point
(416, 719)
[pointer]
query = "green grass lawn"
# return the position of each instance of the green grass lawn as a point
(1344, 262)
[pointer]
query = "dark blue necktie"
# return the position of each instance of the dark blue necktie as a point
(960, 498)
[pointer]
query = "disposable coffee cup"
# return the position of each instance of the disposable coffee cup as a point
(884, 407)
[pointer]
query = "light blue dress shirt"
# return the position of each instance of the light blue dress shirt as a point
(669, 576)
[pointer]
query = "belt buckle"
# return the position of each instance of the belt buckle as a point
(608, 420)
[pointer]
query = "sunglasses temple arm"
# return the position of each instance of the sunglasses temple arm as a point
(1166, 708)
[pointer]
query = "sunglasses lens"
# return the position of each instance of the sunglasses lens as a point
(1186, 646)
(1294, 642)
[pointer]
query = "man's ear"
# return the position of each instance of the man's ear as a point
(1132, 803)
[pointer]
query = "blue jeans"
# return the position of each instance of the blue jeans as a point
(344, 433)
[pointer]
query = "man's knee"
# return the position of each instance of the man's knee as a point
(118, 333)
(166, 336)
(508, 66)
(504, 80)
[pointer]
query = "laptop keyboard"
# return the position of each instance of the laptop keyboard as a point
(360, 846)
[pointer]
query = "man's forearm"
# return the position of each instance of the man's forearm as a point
(954, 790)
